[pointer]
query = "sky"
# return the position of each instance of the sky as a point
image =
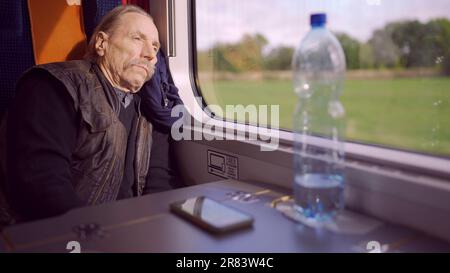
(285, 22)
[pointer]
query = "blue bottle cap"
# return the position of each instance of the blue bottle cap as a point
(318, 19)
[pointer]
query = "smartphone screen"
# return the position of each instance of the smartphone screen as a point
(211, 214)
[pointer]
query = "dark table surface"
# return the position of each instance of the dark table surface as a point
(145, 224)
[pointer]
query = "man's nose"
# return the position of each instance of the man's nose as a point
(149, 52)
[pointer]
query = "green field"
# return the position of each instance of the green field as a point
(407, 113)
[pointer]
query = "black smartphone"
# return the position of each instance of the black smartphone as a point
(211, 215)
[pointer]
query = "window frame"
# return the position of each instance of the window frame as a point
(376, 154)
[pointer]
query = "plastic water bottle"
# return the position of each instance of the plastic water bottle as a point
(319, 70)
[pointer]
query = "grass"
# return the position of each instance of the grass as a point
(406, 113)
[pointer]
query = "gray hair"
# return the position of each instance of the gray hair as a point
(108, 24)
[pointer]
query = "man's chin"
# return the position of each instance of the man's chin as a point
(135, 86)
(136, 83)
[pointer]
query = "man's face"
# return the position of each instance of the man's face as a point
(129, 53)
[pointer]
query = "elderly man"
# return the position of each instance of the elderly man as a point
(75, 132)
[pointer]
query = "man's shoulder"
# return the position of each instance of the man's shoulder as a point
(71, 74)
(63, 70)
(68, 67)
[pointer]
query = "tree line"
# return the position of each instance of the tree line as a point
(404, 44)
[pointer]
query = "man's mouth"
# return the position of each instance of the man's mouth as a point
(143, 67)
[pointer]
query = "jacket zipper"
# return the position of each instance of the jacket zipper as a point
(164, 93)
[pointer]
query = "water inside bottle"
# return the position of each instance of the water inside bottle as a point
(318, 197)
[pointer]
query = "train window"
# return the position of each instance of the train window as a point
(397, 88)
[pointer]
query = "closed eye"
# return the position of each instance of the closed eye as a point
(156, 46)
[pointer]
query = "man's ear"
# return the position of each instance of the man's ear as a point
(101, 43)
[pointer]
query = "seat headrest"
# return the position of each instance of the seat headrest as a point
(57, 30)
